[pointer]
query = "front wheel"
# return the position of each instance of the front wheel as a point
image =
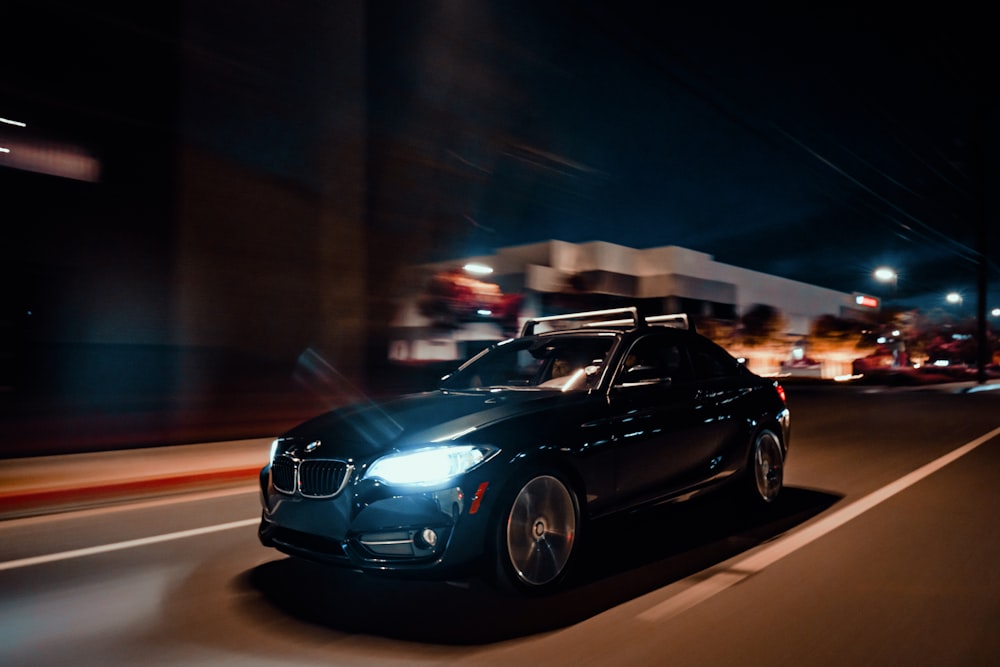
(767, 468)
(537, 533)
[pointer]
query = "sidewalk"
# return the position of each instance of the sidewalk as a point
(47, 484)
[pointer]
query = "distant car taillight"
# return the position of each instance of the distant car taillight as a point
(781, 391)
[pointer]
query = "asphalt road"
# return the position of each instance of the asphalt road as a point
(882, 551)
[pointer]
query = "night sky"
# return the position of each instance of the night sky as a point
(815, 143)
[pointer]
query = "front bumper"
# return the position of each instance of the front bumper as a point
(371, 527)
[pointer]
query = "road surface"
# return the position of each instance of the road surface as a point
(882, 551)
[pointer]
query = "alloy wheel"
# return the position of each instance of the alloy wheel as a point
(541, 530)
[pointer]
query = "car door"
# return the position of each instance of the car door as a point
(725, 397)
(664, 436)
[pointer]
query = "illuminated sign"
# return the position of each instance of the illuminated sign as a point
(866, 301)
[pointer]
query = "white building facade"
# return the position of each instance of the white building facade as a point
(557, 276)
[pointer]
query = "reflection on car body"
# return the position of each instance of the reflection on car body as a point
(501, 468)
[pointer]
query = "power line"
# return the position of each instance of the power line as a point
(709, 92)
(960, 249)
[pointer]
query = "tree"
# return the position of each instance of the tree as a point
(761, 324)
(830, 333)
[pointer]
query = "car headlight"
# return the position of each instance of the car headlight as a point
(429, 466)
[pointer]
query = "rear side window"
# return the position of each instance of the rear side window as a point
(654, 358)
(711, 361)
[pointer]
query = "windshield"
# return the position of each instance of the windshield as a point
(562, 363)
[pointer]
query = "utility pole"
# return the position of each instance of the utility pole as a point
(982, 341)
(983, 145)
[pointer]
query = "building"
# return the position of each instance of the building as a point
(556, 276)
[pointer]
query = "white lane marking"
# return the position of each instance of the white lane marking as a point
(706, 588)
(128, 544)
(690, 597)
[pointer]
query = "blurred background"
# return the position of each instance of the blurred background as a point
(212, 209)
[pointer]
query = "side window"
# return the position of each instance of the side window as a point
(655, 358)
(711, 361)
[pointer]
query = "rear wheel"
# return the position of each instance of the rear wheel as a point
(767, 468)
(537, 533)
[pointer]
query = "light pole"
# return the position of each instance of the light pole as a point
(885, 274)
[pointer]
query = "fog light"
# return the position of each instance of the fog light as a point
(427, 538)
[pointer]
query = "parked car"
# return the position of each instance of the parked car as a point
(502, 467)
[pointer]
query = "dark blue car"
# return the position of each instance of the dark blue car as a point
(500, 469)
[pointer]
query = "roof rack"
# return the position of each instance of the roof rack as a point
(673, 320)
(676, 320)
(633, 312)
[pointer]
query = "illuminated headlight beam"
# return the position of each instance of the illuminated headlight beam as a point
(428, 466)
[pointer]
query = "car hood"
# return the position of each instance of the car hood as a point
(365, 430)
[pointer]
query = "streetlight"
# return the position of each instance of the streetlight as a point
(884, 274)
(953, 298)
(478, 268)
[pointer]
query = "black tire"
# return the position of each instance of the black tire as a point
(766, 468)
(536, 534)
